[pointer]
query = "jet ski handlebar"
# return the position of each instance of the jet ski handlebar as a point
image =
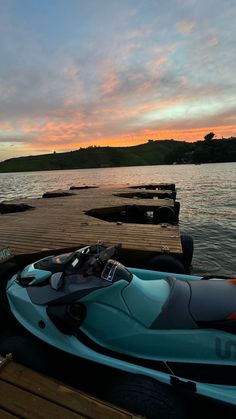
(90, 260)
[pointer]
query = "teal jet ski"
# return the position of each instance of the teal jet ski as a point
(162, 334)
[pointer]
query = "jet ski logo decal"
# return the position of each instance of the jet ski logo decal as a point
(225, 349)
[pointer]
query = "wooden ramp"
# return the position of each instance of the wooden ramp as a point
(27, 394)
(62, 222)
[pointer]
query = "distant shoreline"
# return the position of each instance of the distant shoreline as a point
(154, 152)
(114, 167)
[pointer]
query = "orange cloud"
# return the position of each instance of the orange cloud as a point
(110, 82)
(160, 61)
(190, 135)
(162, 104)
(71, 140)
(6, 127)
(116, 122)
(155, 65)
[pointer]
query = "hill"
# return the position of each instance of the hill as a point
(154, 152)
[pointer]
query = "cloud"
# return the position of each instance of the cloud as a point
(212, 42)
(185, 27)
(81, 74)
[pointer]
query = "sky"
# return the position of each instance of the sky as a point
(75, 73)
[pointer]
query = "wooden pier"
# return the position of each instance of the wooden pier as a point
(63, 223)
(27, 394)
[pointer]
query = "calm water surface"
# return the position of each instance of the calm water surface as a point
(207, 195)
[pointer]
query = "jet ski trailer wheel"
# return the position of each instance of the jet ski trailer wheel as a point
(145, 396)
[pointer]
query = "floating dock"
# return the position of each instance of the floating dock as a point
(27, 394)
(75, 219)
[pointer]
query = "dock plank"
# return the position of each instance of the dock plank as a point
(29, 394)
(24, 404)
(6, 415)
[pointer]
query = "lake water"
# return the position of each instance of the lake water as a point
(206, 192)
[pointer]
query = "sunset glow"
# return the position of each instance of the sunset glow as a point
(104, 72)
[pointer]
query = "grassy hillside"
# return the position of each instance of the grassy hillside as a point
(151, 153)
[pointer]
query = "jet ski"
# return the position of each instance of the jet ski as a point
(161, 333)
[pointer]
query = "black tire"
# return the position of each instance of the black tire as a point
(187, 247)
(166, 263)
(164, 215)
(145, 396)
(27, 351)
(177, 210)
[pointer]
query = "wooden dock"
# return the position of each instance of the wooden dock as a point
(27, 394)
(62, 223)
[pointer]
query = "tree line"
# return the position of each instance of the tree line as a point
(153, 152)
